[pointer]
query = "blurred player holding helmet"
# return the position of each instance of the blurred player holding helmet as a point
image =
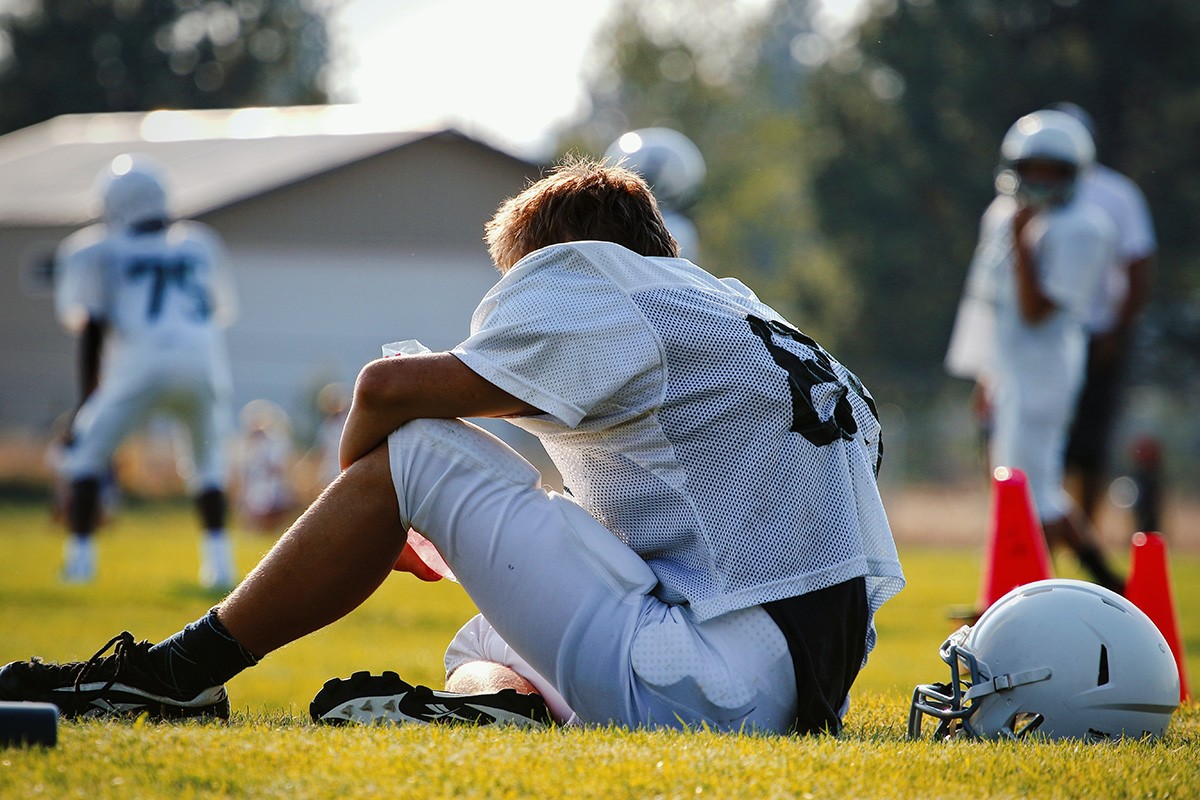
(1020, 330)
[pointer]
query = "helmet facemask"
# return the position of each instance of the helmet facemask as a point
(1041, 156)
(1037, 182)
(946, 701)
(954, 704)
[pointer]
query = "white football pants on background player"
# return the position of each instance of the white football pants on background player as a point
(166, 382)
(574, 601)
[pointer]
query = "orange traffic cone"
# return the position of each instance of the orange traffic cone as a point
(1016, 549)
(1149, 588)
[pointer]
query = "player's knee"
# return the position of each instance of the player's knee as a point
(486, 677)
(213, 508)
(467, 445)
(371, 472)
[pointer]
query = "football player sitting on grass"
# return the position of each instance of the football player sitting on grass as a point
(718, 561)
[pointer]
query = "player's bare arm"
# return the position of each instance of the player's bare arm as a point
(1110, 346)
(392, 391)
(1035, 304)
(91, 347)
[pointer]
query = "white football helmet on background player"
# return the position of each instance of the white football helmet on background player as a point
(1048, 136)
(669, 161)
(133, 190)
(1061, 659)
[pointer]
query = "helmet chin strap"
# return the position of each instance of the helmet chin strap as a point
(1002, 683)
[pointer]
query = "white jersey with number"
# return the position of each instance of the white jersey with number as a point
(164, 298)
(725, 447)
(163, 294)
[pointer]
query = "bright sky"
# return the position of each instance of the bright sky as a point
(515, 67)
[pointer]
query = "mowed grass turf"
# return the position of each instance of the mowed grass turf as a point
(148, 560)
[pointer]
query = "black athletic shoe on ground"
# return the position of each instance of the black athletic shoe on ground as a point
(386, 698)
(116, 685)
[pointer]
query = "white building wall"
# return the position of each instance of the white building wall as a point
(309, 317)
(306, 313)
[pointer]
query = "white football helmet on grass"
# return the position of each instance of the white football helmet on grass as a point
(1060, 659)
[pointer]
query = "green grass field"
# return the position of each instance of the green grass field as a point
(147, 585)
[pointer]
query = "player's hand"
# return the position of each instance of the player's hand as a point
(67, 437)
(1021, 218)
(1107, 348)
(981, 405)
(410, 562)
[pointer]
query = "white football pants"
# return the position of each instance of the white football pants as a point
(126, 397)
(1031, 434)
(574, 602)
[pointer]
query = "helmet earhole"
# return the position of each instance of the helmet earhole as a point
(1024, 723)
(1102, 677)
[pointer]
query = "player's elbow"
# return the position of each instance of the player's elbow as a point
(377, 385)
(1037, 311)
(368, 386)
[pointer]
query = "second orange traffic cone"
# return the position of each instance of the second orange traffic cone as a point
(1016, 549)
(1149, 588)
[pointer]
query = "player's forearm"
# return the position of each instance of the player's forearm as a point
(1035, 305)
(91, 342)
(392, 391)
(1031, 300)
(1139, 272)
(366, 428)
(376, 409)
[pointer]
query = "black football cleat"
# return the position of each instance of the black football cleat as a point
(386, 699)
(118, 685)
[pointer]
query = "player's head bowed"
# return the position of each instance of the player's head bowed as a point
(580, 200)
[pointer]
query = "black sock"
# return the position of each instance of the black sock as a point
(202, 655)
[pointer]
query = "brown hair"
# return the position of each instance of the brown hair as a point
(580, 199)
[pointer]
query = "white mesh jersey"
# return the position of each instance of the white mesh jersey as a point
(164, 294)
(724, 446)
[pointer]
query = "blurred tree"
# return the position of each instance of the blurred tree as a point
(79, 56)
(698, 66)
(848, 169)
(847, 173)
(904, 126)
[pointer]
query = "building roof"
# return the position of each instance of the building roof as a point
(212, 158)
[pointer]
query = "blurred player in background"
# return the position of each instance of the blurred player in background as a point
(266, 499)
(147, 297)
(333, 402)
(674, 167)
(1112, 321)
(720, 559)
(56, 462)
(1021, 330)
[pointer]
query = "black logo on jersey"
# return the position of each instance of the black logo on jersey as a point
(806, 373)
